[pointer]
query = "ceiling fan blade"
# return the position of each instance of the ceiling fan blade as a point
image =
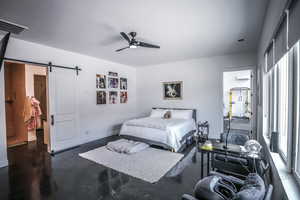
(122, 49)
(125, 36)
(144, 44)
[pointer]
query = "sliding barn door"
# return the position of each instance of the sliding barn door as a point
(63, 101)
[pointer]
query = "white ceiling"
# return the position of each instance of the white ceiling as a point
(184, 29)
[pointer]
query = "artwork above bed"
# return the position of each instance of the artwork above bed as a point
(172, 90)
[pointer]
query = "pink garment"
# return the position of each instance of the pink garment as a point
(35, 115)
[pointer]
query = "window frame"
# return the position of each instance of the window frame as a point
(289, 64)
(272, 93)
(296, 132)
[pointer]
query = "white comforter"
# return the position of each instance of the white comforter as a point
(155, 123)
(166, 131)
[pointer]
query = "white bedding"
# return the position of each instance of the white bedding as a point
(166, 131)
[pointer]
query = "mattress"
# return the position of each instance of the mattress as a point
(166, 131)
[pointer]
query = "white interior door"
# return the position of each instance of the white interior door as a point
(63, 108)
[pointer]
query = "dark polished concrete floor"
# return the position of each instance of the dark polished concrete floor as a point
(34, 174)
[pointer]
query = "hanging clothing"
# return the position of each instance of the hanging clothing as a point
(32, 113)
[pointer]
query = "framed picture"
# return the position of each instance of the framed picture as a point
(123, 97)
(172, 90)
(113, 97)
(101, 97)
(113, 82)
(115, 74)
(123, 83)
(100, 81)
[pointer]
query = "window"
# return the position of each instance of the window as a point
(284, 97)
(266, 132)
(279, 96)
(281, 86)
(297, 110)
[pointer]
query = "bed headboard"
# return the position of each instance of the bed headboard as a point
(194, 111)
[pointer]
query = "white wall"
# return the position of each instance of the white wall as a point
(96, 121)
(230, 81)
(202, 85)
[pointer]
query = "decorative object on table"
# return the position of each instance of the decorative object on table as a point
(123, 83)
(100, 81)
(115, 74)
(123, 97)
(253, 148)
(101, 97)
(207, 145)
(172, 90)
(113, 82)
(203, 131)
(113, 97)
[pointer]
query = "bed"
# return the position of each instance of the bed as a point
(170, 133)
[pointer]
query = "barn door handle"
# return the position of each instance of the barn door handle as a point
(52, 120)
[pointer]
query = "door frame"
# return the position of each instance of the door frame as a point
(253, 95)
(47, 97)
(50, 68)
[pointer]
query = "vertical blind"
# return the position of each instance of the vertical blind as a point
(286, 34)
(281, 41)
(269, 55)
(294, 22)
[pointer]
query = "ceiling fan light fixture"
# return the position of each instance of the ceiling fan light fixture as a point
(133, 43)
(132, 46)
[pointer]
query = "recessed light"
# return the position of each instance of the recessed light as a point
(241, 40)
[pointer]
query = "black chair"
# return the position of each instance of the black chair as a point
(229, 164)
(218, 186)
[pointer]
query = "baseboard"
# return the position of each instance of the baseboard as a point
(3, 163)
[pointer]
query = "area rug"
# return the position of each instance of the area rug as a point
(149, 165)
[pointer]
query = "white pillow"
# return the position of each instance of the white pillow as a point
(182, 114)
(158, 113)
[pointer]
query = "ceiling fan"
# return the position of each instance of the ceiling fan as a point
(133, 43)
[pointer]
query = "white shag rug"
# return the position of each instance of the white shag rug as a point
(149, 165)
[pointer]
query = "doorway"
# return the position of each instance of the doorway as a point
(26, 105)
(237, 101)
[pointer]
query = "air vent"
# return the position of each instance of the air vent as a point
(11, 27)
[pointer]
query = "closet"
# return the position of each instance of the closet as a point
(25, 103)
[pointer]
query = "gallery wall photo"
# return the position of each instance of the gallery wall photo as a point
(123, 83)
(100, 81)
(113, 97)
(113, 82)
(101, 97)
(123, 97)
